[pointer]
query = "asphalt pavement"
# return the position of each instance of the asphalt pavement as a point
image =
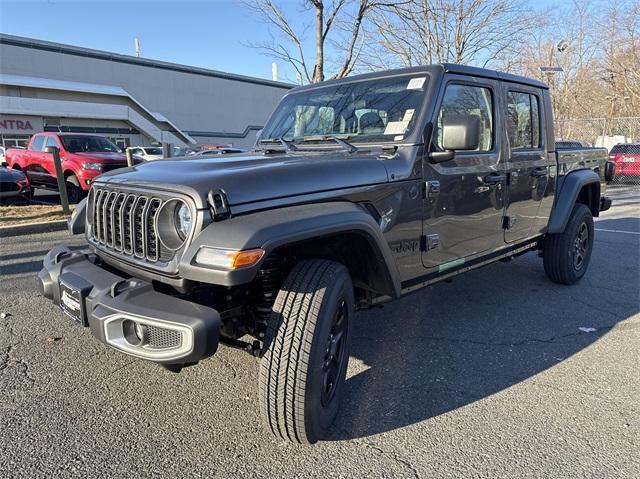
(499, 373)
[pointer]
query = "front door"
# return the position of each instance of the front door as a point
(528, 165)
(464, 203)
(48, 164)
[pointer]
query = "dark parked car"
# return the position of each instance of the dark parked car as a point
(358, 192)
(13, 184)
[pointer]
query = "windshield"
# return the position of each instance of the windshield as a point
(383, 109)
(85, 144)
(153, 151)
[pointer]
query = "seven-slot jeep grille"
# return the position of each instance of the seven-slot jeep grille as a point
(125, 223)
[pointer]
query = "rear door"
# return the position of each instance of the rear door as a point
(528, 165)
(33, 167)
(464, 198)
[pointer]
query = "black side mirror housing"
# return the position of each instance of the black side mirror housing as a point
(459, 133)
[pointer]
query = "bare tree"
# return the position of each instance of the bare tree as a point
(622, 64)
(459, 31)
(288, 42)
(597, 45)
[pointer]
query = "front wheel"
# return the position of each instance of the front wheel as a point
(567, 255)
(74, 191)
(306, 351)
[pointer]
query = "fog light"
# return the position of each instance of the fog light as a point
(136, 334)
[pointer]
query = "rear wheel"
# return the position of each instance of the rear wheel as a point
(74, 192)
(567, 255)
(306, 351)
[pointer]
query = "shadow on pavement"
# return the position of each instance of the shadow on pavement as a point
(453, 344)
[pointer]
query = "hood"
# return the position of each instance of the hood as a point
(250, 178)
(8, 174)
(101, 157)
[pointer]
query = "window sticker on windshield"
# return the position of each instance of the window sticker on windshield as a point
(408, 114)
(396, 127)
(416, 83)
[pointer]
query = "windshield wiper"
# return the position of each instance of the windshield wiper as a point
(343, 144)
(287, 144)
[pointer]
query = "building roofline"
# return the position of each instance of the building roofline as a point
(36, 44)
(96, 89)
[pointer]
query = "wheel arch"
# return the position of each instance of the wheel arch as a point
(581, 186)
(339, 231)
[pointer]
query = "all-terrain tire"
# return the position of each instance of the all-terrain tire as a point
(567, 254)
(306, 351)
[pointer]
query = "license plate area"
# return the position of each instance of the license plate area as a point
(73, 294)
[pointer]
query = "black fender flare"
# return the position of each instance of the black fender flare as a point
(76, 223)
(568, 195)
(272, 229)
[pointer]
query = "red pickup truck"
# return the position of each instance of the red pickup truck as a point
(83, 157)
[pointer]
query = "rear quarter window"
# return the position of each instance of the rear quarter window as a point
(37, 143)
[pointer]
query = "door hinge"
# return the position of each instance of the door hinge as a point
(431, 189)
(508, 222)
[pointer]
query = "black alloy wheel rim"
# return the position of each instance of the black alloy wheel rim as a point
(581, 247)
(335, 352)
(73, 195)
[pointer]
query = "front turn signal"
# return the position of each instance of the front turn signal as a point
(228, 259)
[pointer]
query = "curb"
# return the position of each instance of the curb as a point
(33, 228)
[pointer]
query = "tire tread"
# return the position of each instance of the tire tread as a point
(288, 342)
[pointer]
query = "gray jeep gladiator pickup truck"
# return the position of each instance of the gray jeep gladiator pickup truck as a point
(357, 192)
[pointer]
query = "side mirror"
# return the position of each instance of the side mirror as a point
(459, 133)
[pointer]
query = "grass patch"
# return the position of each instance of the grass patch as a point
(11, 215)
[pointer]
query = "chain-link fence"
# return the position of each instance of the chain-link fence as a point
(620, 136)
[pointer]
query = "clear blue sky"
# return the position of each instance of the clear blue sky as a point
(210, 34)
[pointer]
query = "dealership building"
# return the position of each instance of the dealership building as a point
(47, 86)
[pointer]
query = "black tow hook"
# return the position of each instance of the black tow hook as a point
(176, 368)
(254, 348)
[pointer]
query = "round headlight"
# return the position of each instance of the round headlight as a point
(174, 224)
(183, 220)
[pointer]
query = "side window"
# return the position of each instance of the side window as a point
(523, 120)
(51, 141)
(467, 100)
(37, 143)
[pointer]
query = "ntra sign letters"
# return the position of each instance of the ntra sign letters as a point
(15, 125)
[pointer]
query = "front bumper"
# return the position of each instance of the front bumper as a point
(174, 331)
(605, 203)
(14, 191)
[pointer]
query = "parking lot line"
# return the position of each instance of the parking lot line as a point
(619, 231)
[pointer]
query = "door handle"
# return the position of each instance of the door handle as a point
(539, 172)
(494, 178)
